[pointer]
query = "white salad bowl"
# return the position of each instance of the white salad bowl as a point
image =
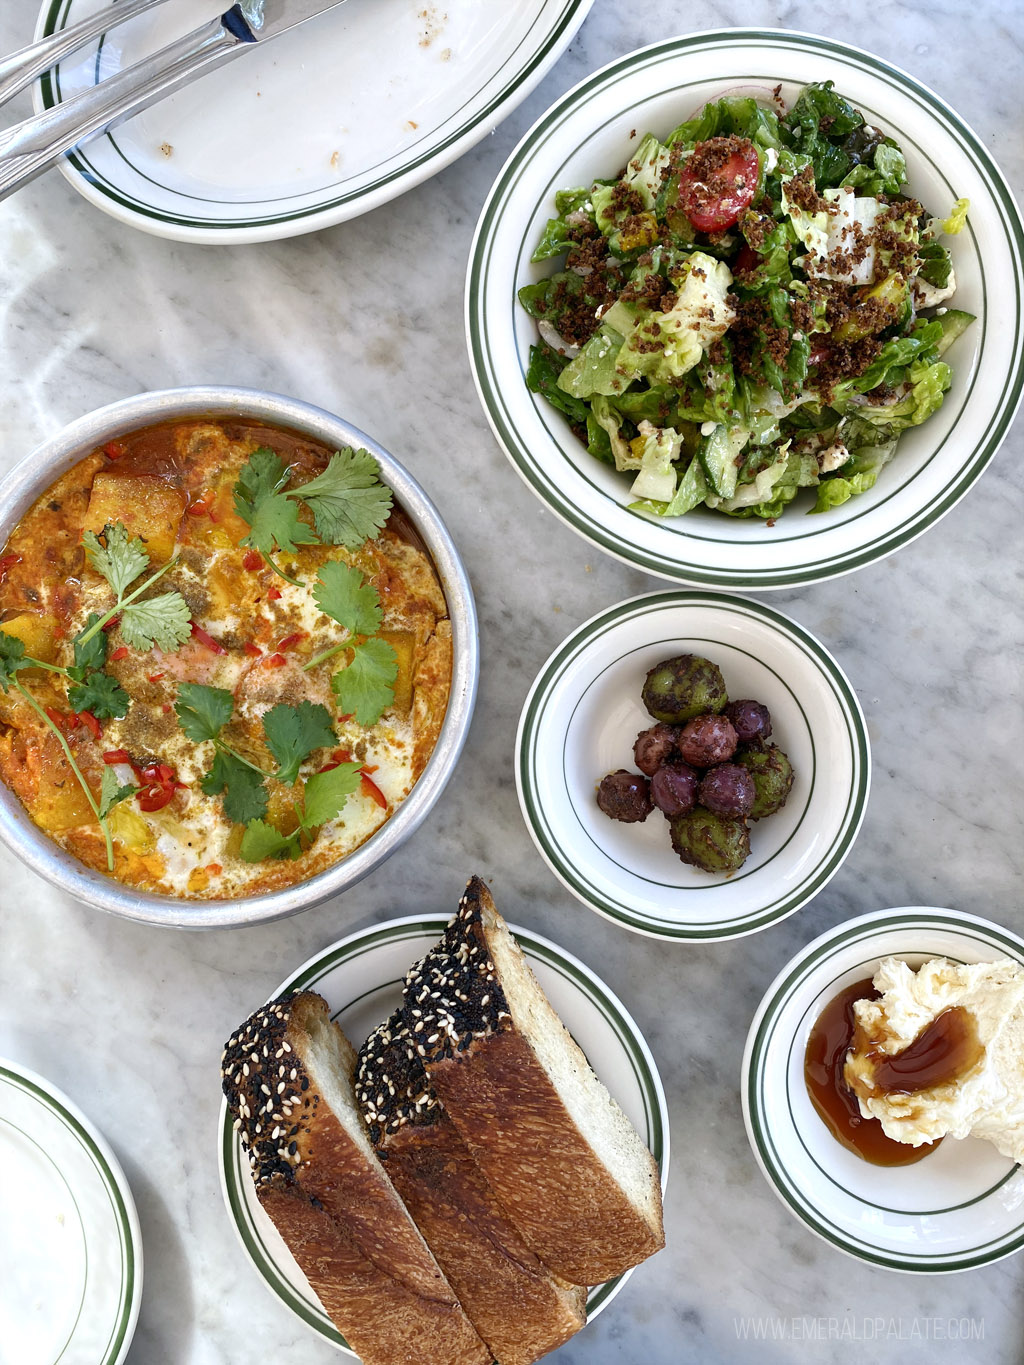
(959, 1207)
(38, 470)
(592, 132)
(580, 720)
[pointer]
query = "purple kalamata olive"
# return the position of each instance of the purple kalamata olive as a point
(625, 796)
(706, 740)
(654, 747)
(727, 789)
(749, 719)
(674, 788)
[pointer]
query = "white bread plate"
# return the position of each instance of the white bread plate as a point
(70, 1244)
(580, 720)
(325, 123)
(959, 1207)
(590, 133)
(361, 976)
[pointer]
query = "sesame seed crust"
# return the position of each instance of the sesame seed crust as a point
(452, 996)
(391, 1086)
(266, 1088)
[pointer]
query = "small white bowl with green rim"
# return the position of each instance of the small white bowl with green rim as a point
(591, 132)
(361, 979)
(961, 1206)
(580, 720)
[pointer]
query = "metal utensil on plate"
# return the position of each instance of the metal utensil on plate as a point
(21, 68)
(29, 148)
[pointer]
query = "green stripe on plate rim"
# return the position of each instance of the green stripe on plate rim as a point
(119, 1329)
(575, 11)
(306, 978)
(579, 641)
(491, 390)
(983, 1254)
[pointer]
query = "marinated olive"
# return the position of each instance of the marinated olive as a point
(712, 842)
(654, 747)
(706, 740)
(682, 687)
(674, 788)
(749, 719)
(727, 789)
(625, 796)
(772, 773)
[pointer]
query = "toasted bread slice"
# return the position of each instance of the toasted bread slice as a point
(521, 1309)
(566, 1164)
(288, 1075)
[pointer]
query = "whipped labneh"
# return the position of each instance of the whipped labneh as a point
(985, 1096)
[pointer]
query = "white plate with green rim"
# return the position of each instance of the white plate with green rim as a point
(590, 133)
(361, 978)
(584, 712)
(70, 1246)
(959, 1207)
(330, 120)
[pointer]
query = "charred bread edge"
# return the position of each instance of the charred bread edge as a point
(453, 998)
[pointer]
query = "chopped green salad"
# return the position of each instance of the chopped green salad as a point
(749, 309)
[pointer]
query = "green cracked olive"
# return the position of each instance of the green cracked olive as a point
(773, 777)
(685, 686)
(714, 843)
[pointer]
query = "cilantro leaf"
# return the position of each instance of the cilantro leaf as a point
(164, 620)
(92, 654)
(293, 732)
(261, 840)
(271, 518)
(324, 794)
(12, 657)
(348, 501)
(367, 687)
(203, 711)
(111, 792)
(245, 797)
(120, 558)
(101, 694)
(343, 594)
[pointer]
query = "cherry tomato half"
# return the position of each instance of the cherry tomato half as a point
(155, 796)
(718, 182)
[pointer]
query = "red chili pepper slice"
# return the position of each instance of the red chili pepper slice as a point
(166, 708)
(290, 641)
(718, 182)
(370, 788)
(202, 505)
(111, 624)
(113, 756)
(253, 651)
(8, 562)
(253, 560)
(214, 869)
(155, 677)
(199, 634)
(114, 450)
(275, 661)
(273, 594)
(121, 652)
(91, 723)
(61, 719)
(155, 796)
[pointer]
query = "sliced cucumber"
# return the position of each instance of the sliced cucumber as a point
(718, 458)
(954, 322)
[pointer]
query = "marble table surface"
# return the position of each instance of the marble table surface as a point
(129, 1020)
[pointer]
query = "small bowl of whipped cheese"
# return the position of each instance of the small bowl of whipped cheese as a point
(883, 1089)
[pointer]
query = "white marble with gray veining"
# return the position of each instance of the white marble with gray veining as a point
(365, 319)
